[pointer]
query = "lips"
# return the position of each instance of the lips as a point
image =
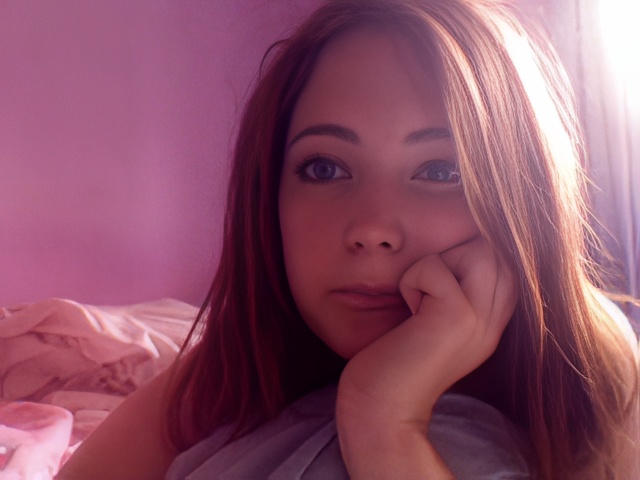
(370, 297)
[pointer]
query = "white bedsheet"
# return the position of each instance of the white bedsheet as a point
(73, 364)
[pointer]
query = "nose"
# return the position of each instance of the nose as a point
(375, 226)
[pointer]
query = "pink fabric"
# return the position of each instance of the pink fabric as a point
(33, 440)
(78, 362)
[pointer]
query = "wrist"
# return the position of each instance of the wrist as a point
(381, 449)
(380, 440)
(390, 398)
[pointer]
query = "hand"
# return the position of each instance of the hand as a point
(462, 300)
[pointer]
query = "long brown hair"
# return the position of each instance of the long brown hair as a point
(561, 371)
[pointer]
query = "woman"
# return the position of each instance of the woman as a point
(436, 141)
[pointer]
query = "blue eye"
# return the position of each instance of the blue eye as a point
(440, 171)
(320, 169)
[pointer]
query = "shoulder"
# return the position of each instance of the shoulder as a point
(629, 442)
(620, 321)
(477, 441)
(300, 442)
(131, 443)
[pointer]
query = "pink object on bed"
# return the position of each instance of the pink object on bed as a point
(33, 439)
(65, 366)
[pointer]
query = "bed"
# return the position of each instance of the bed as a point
(65, 366)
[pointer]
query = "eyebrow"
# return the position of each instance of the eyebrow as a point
(343, 133)
(427, 134)
(349, 135)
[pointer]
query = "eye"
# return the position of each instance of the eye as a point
(440, 171)
(320, 169)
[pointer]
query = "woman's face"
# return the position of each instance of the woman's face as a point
(370, 185)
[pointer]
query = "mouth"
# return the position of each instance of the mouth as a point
(370, 297)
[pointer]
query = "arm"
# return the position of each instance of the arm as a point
(462, 301)
(130, 443)
(377, 448)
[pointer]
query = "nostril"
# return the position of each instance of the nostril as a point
(385, 245)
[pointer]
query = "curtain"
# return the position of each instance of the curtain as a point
(606, 76)
(610, 100)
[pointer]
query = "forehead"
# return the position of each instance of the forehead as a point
(370, 72)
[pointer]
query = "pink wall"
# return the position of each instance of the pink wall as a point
(116, 120)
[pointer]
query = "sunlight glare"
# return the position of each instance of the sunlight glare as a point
(544, 106)
(620, 25)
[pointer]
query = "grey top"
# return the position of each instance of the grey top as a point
(474, 439)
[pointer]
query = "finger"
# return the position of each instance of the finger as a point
(429, 276)
(486, 282)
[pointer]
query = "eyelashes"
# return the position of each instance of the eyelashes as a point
(324, 169)
(321, 169)
(440, 171)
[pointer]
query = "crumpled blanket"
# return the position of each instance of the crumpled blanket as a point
(65, 366)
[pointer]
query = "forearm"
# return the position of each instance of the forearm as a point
(404, 452)
(375, 446)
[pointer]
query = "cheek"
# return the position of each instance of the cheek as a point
(312, 231)
(307, 221)
(306, 232)
(437, 226)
